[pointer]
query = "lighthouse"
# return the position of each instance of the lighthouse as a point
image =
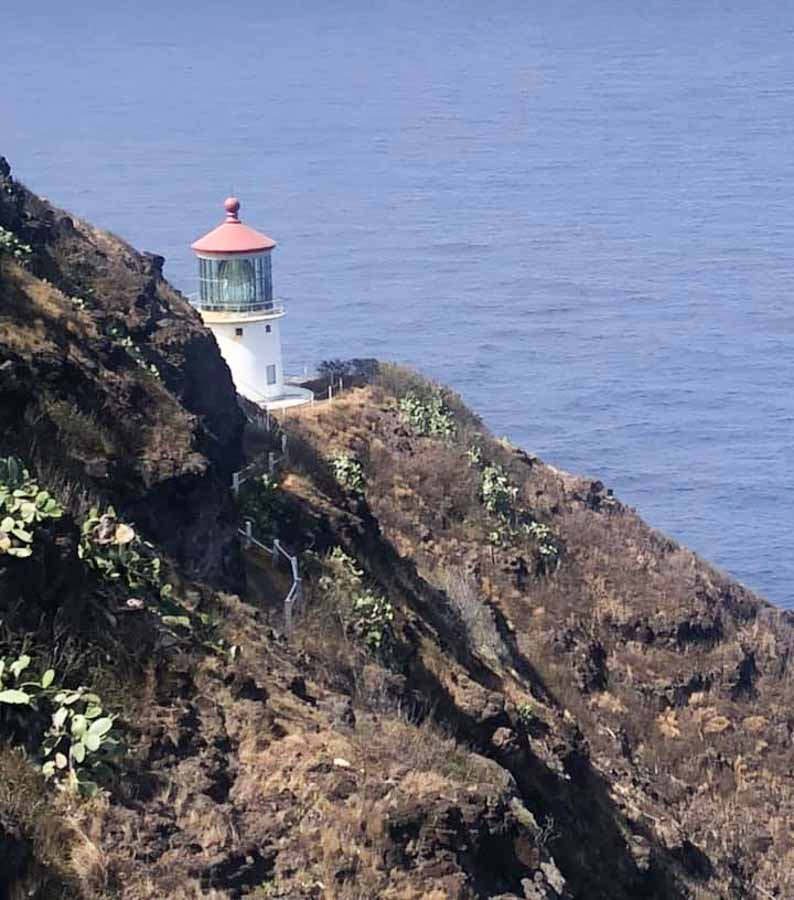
(236, 302)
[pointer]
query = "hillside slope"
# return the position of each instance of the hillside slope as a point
(501, 683)
(639, 698)
(109, 373)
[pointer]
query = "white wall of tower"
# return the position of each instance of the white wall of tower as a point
(249, 348)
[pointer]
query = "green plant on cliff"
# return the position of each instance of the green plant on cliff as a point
(115, 551)
(120, 335)
(474, 456)
(525, 713)
(546, 542)
(262, 503)
(499, 496)
(80, 742)
(348, 472)
(23, 505)
(78, 738)
(13, 246)
(366, 615)
(121, 557)
(371, 617)
(427, 416)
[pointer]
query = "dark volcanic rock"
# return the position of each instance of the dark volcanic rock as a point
(112, 375)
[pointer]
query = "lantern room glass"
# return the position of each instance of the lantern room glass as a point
(243, 284)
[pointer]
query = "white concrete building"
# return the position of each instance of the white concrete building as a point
(236, 302)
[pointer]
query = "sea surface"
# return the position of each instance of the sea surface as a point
(578, 214)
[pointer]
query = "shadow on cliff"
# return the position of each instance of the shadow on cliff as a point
(590, 848)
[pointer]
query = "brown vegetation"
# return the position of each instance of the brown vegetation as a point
(613, 725)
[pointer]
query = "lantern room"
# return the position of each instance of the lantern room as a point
(235, 270)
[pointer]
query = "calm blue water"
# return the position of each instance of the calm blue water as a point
(579, 214)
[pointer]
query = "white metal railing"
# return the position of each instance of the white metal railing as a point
(260, 466)
(261, 417)
(276, 306)
(294, 596)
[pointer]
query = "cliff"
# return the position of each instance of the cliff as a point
(108, 376)
(501, 683)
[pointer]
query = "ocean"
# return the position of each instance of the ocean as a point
(580, 215)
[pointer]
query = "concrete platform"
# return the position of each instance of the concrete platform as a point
(291, 396)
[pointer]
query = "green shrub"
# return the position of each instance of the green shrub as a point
(546, 542)
(123, 339)
(13, 246)
(359, 370)
(262, 501)
(371, 617)
(366, 615)
(525, 714)
(22, 506)
(427, 416)
(348, 472)
(498, 495)
(80, 739)
(474, 456)
(344, 568)
(396, 383)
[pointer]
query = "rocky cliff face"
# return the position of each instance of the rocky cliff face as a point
(108, 376)
(502, 684)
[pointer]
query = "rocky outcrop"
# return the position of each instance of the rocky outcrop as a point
(108, 376)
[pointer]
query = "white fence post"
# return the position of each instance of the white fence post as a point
(288, 614)
(249, 532)
(235, 482)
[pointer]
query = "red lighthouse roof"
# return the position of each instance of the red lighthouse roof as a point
(232, 236)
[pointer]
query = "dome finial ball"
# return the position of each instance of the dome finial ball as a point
(232, 207)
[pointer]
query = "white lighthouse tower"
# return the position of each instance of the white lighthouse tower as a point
(236, 302)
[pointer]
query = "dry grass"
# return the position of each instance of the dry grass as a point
(27, 801)
(89, 860)
(81, 433)
(33, 311)
(478, 618)
(166, 438)
(400, 745)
